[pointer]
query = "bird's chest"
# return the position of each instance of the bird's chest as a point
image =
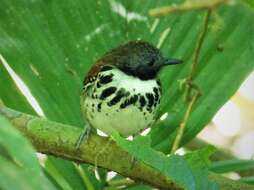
(122, 103)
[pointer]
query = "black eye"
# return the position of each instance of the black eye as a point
(151, 63)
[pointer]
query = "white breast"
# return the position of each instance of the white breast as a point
(128, 116)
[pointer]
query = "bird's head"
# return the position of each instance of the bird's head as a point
(139, 59)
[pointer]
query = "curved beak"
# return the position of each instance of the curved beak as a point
(165, 62)
(171, 62)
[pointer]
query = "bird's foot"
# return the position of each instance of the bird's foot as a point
(133, 161)
(83, 138)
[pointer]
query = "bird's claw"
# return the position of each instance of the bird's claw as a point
(83, 137)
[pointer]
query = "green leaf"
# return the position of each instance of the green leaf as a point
(88, 174)
(69, 176)
(23, 167)
(231, 165)
(52, 180)
(189, 171)
(9, 173)
(65, 172)
(249, 180)
(249, 2)
(56, 176)
(16, 145)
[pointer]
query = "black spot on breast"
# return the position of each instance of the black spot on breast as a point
(119, 95)
(98, 85)
(107, 92)
(142, 102)
(156, 94)
(106, 68)
(150, 99)
(158, 82)
(106, 79)
(99, 107)
(130, 101)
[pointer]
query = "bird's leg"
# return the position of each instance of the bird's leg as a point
(133, 161)
(84, 136)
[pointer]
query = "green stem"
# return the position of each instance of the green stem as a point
(187, 6)
(189, 82)
(200, 42)
(196, 55)
(182, 126)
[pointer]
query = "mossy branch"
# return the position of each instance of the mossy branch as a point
(59, 140)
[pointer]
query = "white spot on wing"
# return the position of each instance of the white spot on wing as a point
(121, 10)
(22, 87)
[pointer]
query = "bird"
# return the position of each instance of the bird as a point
(122, 91)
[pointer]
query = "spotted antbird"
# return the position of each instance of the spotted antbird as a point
(122, 91)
